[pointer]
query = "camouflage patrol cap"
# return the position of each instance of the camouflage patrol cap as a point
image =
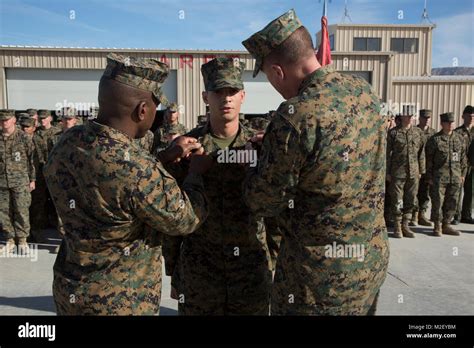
(144, 73)
(43, 113)
(264, 41)
(31, 112)
(223, 72)
(468, 110)
(173, 107)
(426, 113)
(447, 117)
(26, 120)
(6, 114)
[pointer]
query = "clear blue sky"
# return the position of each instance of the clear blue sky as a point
(217, 24)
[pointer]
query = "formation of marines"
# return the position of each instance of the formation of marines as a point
(238, 237)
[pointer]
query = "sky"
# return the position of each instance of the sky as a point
(218, 24)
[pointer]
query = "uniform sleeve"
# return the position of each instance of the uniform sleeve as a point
(30, 153)
(160, 203)
(464, 163)
(422, 157)
(389, 152)
(429, 158)
(269, 187)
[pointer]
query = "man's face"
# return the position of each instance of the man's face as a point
(424, 121)
(29, 130)
(173, 116)
(149, 117)
(46, 122)
(35, 117)
(225, 102)
(8, 124)
(68, 123)
(406, 120)
(467, 119)
(447, 126)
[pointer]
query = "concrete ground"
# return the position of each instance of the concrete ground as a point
(427, 276)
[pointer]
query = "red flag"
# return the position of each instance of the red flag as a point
(324, 50)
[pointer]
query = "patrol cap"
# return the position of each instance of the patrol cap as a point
(426, 113)
(6, 114)
(223, 72)
(31, 112)
(173, 107)
(468, 110)
(276, 32)
(26, 120)
(147, 74)
(44, 113)
(447, 117)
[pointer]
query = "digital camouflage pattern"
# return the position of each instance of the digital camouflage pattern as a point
(114, 200)
(220, 73)
(277, 31)
(322, 172)
(224, 267)
(445, 165)
(17, 170)
(405, 164)
(147, 74)
(146, 142)
(465, 205)
(162, 136)
(423, 196)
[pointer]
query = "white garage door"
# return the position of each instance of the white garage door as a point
(50, 88)
(260, 96)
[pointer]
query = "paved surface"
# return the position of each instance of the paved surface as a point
(427, 275)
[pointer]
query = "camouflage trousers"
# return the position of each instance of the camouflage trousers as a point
(444, 200)
(465, 204)
(423, 195)
(403, 197)
(240, 288)
(39, 206)
(14, 211)
(274, 237)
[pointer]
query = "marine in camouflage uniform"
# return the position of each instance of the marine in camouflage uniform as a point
(146, 142)
(423, 196)
(115, 200)
(464, 209)
(322, 171)
(37, 222)
(405, 165)
(17, 176)
(224, 267)
(445, 165)
(170, 129)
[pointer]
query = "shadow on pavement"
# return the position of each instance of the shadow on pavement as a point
(168, 311)
(39, 303)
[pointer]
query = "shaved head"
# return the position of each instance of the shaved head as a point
(298, 47)
(132, 107)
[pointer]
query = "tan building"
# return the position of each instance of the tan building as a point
(395, 59)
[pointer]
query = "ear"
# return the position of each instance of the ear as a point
(204, 97)
(142, 110)
(278, 71)
(242, 96)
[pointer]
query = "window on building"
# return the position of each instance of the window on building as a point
(367, 44)
(366, 75)
(331, 42)
(404, 45)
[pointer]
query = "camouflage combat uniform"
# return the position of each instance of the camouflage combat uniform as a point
(161, 140)
(445, 165)
(423, 196)
(112, 197)
(322, 171)
(17, 170)
(224, 267)
(405, 164)
(146, 142)
(465, 204)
